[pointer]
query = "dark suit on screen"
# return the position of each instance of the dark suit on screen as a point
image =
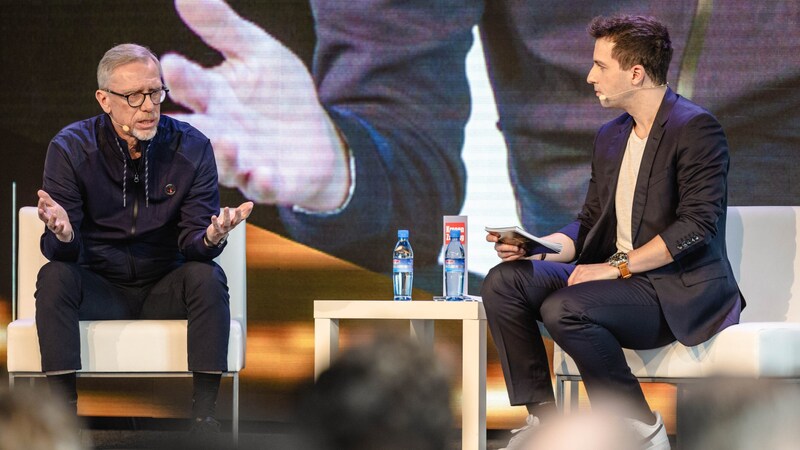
(681, 195)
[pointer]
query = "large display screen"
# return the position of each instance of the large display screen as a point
(355, 119)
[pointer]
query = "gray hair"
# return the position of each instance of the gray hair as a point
(120, 55)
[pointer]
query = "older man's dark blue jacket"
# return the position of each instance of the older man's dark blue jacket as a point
(159, 222)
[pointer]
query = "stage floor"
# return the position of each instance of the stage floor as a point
(135, 434)
(171, 434)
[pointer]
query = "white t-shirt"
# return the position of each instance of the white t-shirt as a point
(626, 186)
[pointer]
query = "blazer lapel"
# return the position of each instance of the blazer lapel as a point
(616, 150)
(649, 156)
(606, 223)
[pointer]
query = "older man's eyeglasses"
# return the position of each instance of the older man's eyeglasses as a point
(136, 99)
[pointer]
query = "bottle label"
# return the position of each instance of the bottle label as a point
(403, 265)
(454, 265)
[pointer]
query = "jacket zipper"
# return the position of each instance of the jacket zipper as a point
(133, 233)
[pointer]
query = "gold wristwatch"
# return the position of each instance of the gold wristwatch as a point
(620, 261)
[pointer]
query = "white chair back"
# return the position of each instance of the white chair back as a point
(29, 262)
(760, 241)
(233, 260)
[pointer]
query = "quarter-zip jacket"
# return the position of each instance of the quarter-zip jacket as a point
(138, 237)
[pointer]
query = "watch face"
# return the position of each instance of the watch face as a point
(618, 258)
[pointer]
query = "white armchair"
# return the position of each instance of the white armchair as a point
(124, 348)
(764, 252)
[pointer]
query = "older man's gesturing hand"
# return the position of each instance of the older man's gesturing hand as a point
(55, 217)
(227, 220)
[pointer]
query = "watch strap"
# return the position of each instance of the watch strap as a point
(620, 261)
(624, 272)
(219, 244)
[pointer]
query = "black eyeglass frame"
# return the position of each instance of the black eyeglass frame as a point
(144, 96)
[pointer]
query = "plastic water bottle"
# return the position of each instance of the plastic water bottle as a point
(454, 268)
(403, 267)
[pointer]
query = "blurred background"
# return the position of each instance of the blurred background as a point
(738, 61)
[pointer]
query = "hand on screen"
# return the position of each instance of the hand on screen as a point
(272, 138)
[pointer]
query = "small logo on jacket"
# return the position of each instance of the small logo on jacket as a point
(169, 189)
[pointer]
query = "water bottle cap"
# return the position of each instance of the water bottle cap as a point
(455, 234)
(402, 234)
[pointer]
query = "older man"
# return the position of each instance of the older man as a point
(130, 202)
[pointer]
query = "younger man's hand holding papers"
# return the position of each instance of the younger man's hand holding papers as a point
(513, 243)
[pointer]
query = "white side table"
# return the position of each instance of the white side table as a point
(422, 315)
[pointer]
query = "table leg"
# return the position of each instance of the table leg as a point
(326, 343)
(473, 398)
(574, 396)
(235, 417)
(422, 331)
(560, 395)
